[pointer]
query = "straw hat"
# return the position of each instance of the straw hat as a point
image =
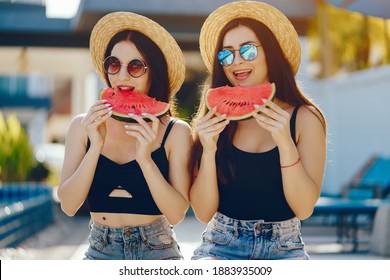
(112, 23)
(275, 20)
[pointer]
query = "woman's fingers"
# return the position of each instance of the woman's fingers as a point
(144, 134)
(271, 114)
(139, 136)
(139, 130)
(143, 128)
(215, 127)
(98, 117)
(102, 118)
(209, 135)
(99, 105)
(141, 121)
(211, 122)
(265, 122)
(155, 122)
(97, 110)
(274, 119)
(271, 109)
(208, 116)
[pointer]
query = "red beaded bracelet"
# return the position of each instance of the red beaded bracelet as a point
(286, 166)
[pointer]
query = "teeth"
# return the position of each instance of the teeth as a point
(125, 88)
(241, 72)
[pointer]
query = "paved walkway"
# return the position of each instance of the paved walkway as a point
(67, 239)
(58, 241)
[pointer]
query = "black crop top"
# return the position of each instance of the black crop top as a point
(128, 176)
(256, 193)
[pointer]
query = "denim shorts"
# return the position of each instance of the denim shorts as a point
(154, 241)
(230, 239)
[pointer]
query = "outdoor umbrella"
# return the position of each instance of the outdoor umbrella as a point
(376, 8)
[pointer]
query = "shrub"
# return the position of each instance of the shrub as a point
(16, 152)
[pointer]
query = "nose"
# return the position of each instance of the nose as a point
(237, 57)
(123, 74)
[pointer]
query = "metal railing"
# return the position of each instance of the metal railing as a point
(25, 209)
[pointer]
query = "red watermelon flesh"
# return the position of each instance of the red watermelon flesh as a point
(238, 102)
(125, 102)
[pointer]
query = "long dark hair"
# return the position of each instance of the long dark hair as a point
(279, 72)
(155, 60)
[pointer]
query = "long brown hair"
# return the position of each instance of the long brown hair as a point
(279, 72)
(154, 58)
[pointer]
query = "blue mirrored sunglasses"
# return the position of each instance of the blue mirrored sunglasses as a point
(248, 52)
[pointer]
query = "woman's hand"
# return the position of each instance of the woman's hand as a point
(145, 135)
(95, 122)
(275, 120)
(209, 128)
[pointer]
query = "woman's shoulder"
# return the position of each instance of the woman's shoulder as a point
(181, 126)
(309, 113)
(180, 131)
(308, 117)
(76, 128)
(77, 121)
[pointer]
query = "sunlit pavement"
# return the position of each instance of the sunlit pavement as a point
(67, 239)
(320, 243)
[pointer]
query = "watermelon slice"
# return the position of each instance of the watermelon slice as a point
(238, 102)
(125, 102)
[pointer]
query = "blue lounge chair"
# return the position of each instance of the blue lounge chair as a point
(377, 176)
(361, 198)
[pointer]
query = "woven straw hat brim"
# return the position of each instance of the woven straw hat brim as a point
(275, 20)
(112, 23)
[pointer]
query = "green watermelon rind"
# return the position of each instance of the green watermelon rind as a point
(126, 118)
(248, 115)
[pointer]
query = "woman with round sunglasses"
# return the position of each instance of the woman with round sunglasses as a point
(255, 179)
(134, 176)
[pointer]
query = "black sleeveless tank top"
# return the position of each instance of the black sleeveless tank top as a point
(128, 176)
(256, 193)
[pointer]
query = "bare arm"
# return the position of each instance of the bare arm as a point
(78, 169)
(302, 182)
(204, 194)
(79, 166)
(171, 198)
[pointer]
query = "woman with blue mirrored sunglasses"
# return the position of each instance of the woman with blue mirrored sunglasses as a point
(256, 179)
